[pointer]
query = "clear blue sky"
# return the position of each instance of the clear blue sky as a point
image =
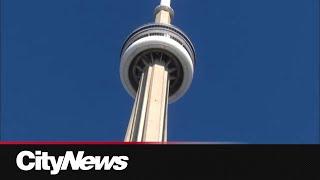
(256, 78)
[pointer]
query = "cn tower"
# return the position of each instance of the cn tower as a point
(156, 68)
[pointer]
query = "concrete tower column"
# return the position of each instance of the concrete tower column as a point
(148, 121)
(164, 13)
(157, 65)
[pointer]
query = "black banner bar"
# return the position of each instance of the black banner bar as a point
(156, 161)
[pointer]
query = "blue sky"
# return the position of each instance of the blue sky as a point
(256, 78)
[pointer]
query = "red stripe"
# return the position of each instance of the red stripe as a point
(101, 143)
(73, 143)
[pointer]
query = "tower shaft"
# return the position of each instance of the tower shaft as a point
(163, 17)
(148, 121)
(164, 13)
(157, 65)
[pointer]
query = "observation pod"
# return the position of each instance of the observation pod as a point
(163, 43)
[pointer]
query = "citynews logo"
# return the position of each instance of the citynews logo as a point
(42, 161)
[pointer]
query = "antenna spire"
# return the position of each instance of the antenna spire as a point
(165, 3)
